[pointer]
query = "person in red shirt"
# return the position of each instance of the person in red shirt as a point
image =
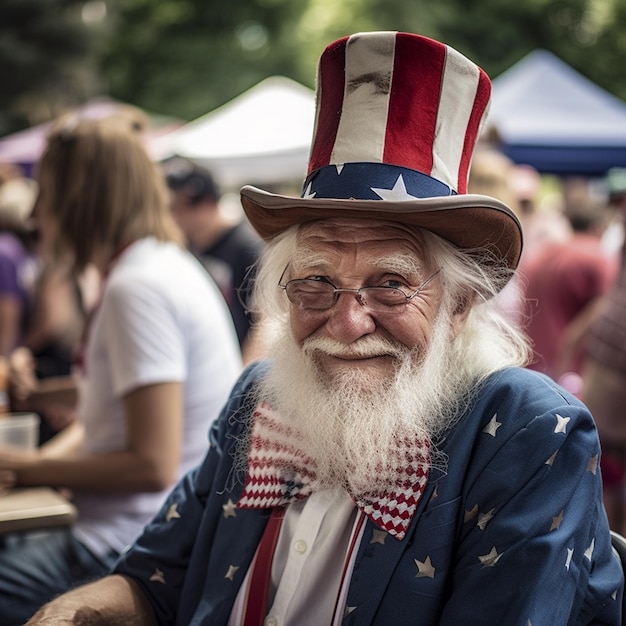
(563, 282)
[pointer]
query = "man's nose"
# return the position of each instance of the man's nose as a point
(348, 319)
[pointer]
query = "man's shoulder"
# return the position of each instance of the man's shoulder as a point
(518, 416)
(233, 424)
(523, 395)
(244, 390)
(254, 372)
(516, 384)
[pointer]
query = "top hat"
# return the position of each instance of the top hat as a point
(396, 124)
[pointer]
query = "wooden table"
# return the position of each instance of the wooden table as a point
(34, 508)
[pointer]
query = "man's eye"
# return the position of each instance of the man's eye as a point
(393, 284)
(321, 279)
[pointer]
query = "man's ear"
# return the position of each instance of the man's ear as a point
(459, 315)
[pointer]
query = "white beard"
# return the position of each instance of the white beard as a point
(352, 423)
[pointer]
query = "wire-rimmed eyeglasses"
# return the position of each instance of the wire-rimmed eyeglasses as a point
(320, 295)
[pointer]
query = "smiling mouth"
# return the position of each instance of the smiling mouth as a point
(359, 357)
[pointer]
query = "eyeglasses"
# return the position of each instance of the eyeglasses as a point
(320, 295)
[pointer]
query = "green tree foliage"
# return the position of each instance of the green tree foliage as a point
(184, 58)
(586, 34)
(45, 48)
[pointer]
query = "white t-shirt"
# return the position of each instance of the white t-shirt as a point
(161, 319)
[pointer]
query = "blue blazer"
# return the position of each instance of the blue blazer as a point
(513, 533)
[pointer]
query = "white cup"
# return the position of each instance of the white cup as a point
(19, 430)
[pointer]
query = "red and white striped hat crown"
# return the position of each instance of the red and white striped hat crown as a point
(397, 120)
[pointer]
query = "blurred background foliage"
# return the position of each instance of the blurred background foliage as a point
(183, 58)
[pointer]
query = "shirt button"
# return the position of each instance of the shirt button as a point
(300, 546)
(270, 621)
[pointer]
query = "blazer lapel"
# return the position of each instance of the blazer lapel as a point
(374, 566)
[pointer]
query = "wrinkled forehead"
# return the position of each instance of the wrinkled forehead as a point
(384, 242)
(346, 230)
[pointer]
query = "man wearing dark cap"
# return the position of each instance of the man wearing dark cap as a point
(225, 245)
(390, 463)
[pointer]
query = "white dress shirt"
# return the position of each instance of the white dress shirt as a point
(312, 563)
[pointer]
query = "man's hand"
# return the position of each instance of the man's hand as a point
(110, 600)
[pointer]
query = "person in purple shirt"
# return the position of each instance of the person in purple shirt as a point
(18, 261)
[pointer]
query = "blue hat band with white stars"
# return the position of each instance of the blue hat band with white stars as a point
(372, 181)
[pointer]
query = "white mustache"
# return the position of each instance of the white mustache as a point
(363, 348)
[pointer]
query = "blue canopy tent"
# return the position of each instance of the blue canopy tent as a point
(551, 117)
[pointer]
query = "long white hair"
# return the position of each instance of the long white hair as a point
(488, 342)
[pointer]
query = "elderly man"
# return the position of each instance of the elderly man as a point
(390, 464)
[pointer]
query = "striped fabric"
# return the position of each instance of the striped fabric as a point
(401, 100)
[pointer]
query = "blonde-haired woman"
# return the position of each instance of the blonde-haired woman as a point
(158, 360)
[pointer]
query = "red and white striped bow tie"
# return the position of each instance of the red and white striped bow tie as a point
(280, 473)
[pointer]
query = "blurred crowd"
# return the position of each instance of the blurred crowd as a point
(113, 331)
(569, 294)
(45, 303)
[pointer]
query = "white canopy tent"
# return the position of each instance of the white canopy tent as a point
(260, 137)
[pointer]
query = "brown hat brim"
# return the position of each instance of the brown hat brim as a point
(467, 221)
